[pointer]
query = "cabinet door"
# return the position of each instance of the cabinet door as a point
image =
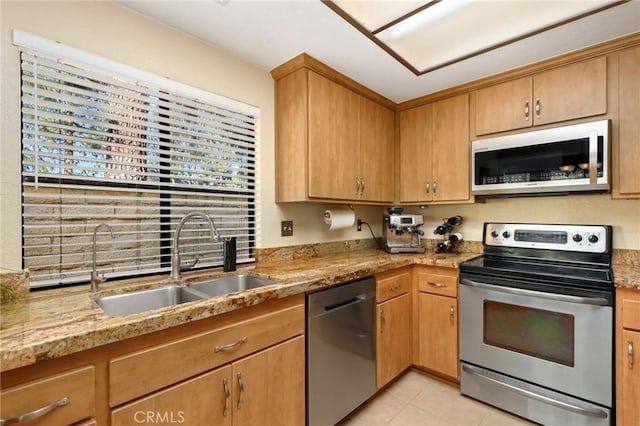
(394, 333)
(629, 400)
(628, 150)
(204, 400)
(503, 107)
(269, 386)
(570, 92)
(451, 149)
(376, 151)
(416, 141)
(334, 148)
(438, 333)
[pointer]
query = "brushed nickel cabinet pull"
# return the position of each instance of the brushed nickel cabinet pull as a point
(427, 187)
(439, 285)
(241, 387)
(538, 108)
(357, 185)
(630, 354)
(451, 314)
(526, 110)
(435, 187)
(364, 182)
(231, 346)
(227, 397)
(35, 413)
(394, 288)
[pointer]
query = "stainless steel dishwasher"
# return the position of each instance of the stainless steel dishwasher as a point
(341, 350)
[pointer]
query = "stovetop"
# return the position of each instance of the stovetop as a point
(558, 258)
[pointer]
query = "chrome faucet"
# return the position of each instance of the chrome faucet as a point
(175, 252)
(97, 279)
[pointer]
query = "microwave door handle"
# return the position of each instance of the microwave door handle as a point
(599, 301)
(593, 157)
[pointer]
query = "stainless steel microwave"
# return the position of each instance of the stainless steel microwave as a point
(552, 161)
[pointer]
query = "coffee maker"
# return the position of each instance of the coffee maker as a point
(401, 233)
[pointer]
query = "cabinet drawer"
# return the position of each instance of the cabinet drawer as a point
(390, 286)
(145, 371)
(444, 285)
(76, 385)
(631, 313)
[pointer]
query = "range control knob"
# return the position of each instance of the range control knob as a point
(506, 234)
(577, 238)
(593, 238)
(494, 234)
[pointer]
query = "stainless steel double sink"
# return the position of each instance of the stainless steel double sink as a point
(171, 295)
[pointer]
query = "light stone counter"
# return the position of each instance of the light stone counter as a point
(54, 323)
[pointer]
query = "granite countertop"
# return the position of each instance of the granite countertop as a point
(53, 323)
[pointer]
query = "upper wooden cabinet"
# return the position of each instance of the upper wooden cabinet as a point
(332, 144)
(626, 154)
(565, 93)
(434, 152)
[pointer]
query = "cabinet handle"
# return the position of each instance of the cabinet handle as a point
(357, 185)
(383, 321)
(35, 413)
(538, 108)
(630, 354)
(526, 110)
(364, 182)
(227, 397)
(231, 346)
(451, 314)
(427, 187)
(435, 187)
(394, 288)
(439, 285)
(241, 386)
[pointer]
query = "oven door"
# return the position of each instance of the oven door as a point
(556, 341)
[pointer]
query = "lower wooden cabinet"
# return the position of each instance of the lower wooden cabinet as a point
(59, 399)
(437, 321)
(394, 334)
(628, 357)
(266, 388)
(438, 334)
(394, 324)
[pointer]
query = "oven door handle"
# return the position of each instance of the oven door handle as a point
(599, 301)
(590, 412)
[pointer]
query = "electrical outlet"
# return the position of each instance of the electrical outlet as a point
(286, 228)
(359, 225)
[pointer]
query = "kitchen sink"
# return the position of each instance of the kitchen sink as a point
(146, 300)
(231, 284)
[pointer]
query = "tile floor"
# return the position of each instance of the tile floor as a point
(416, 399)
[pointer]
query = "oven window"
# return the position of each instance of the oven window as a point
(543, 334)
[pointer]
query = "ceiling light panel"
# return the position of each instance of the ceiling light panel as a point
(456, 29)
(373, 15)
(428, 35)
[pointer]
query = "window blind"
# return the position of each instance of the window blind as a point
(98, 147)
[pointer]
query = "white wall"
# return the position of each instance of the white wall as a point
(110, 30)
(597, 209)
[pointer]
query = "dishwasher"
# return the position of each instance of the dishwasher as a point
(341, 350)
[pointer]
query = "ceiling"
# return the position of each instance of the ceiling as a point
(267, 33)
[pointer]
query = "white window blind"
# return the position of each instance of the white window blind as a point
(98, 147)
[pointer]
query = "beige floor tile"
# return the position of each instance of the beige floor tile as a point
(416, 399)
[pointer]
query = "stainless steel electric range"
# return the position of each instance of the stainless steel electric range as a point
(536, 322)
